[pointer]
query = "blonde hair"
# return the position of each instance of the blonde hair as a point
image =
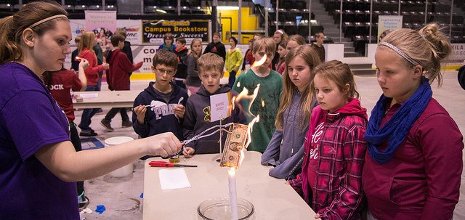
(87, 41)
(311, 58)
(210, 61)
(340, 74)
(283, 34)
(427, 46)
(298, 39)
(267, 43)
(12, 27)
(192, 45)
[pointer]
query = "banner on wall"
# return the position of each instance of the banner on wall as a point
(77, 26)
(457, 54)
(96, 20)
(389, 22)
(133, 30)
(154, 30)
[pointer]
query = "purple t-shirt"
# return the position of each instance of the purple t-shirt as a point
(30, 119)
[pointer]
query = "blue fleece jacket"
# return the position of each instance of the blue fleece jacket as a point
(160, 117)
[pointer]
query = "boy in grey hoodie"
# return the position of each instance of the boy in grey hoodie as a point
(198, 112)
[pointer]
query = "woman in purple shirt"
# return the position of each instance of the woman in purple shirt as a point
(38, 164)
(414, 161)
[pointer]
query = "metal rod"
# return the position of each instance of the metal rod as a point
(340, 23)
(239, 22)
(266, 18)
(179, 7)
(309, 20)
(398, 10)
(371, 21)
(277, 14)
(451, 16)
(426, 11)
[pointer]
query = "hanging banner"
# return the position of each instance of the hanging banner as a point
(97, 20)
(154, 30)
(77, 27)
(458, 53)
(133, 30)
(389, 22)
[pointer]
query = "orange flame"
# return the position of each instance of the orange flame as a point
(260, 62)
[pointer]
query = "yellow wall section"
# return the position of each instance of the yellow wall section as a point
(249, 23)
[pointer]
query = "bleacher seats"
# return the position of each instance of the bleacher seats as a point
(356, 17)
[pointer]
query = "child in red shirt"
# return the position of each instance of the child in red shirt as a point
(60, 84)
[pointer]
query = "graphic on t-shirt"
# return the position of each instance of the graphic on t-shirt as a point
(206, 111)
(161, 109)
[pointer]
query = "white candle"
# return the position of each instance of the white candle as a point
(232, 193)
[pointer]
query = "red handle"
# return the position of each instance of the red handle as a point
(160, 164)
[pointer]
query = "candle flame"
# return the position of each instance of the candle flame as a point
(232, 171)
(260, 62)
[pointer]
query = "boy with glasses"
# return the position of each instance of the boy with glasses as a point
(160, 107)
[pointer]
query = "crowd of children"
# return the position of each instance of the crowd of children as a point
(404, 162)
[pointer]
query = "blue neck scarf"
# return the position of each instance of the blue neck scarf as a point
(396, 129)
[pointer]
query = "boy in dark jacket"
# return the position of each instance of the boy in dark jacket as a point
(216, 47)
(198, 110)
(181, 72)
(160, 107)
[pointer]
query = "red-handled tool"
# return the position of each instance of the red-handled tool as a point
(168, 164)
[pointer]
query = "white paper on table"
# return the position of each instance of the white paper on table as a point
(219, 106)
(173, 178)
(88, 95)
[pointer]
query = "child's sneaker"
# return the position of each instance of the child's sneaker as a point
(106, 124)
(126, 124)
(88, 133)
(83, 203)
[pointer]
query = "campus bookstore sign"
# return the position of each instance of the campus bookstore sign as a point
(154, 30)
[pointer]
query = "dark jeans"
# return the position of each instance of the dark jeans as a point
(77, 146)
(111, 114)
(88, 113)
(232, 78)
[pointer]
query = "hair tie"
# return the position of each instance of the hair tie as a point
(400, 53)
(47, 19)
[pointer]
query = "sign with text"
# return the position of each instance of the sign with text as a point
(219, 106)
(154, 30)
(389, 22)
(458, 53)
(133, 30)
(96, 20)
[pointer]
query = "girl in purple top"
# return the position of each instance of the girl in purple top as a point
(38, 164)
(414, 161)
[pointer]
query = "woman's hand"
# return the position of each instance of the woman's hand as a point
(165, 145)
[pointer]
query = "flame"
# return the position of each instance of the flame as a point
(232, 171)
(260, 62)
(245, 95)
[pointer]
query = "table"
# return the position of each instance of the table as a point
(272, 198)
(102, 99)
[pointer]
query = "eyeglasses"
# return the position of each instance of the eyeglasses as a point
(165, 71)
